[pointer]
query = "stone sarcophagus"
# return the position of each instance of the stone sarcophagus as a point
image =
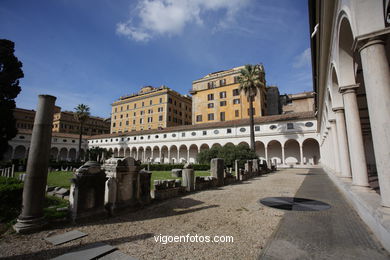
(123, 183)
(87, 192)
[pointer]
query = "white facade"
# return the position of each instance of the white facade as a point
(64, 147)
(274, 142)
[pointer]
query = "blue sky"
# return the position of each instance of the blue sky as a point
(94, 51)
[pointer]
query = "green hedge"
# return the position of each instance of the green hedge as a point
(169, 167)
(11, 193)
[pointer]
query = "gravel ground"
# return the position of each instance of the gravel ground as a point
(228, 211)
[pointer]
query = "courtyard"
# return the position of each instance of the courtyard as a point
(231, 211)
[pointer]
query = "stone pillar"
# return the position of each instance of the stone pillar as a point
(335, 145)
(34, 190)
(160, 155)
(169, 156)
(355, 136)
(217, 170)
(301, 153)
(283, 160)
(178, 158)
(237, 169)
(144, 156)
(266, 153)
(188, 179)
(345, 165)
(188, 155)
(376, 74)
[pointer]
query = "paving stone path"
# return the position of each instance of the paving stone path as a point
(336, 233)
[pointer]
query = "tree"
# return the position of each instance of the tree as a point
(10, 73)
(81, 114)
(94, 153)
(252, 78)
(229, 153)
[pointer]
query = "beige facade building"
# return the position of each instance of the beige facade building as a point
(63, 122)
(150, 108)
(216, 97)
(299, 102)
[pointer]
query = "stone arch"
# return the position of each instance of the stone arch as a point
(311, 151)
(274, 148)
(193, 152)
(20, 152)
(72, 154)
(156, 154)
(260, 149)
(134, 152)
(292, 152)
(121, 152)
(63, 154)
(148, 154)
(54, 153)
(183, 153)
(244, 143)
(164, 154)
(204, 147)
(216, 145)
(335, 96)
(116, 153)
(229, 143)
(173, 154)
(127, 152)
(140, 154)
(346, 63)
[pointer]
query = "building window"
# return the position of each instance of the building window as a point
(135, 105)
(150, 102)
(210, 105)
(222, 82)
(143, 103)
(236, 92)
(210, 97)
(257, 128)
(127, 107)
(290, 126)
(272, 127)
(121, 116)
(242, 129)
(113, 124)
(160, 118)
(160, 100)
(222, 116)
(173, 135)
(222, 94)
(309, 124)
(229, 131)
(134, 122)
(183, 134)
(170, 100)
(199, 118)
(236, 101)
(236, 113)
(210, 117)
(165, 135)
(141, 120)
(204, 132)
(236, 79)
(216, 131)
(156, 136)
(193, 133)
(169, 118)
(211, 84)
(254, 111)
(127, 122)
(222, 103)
(150, 119)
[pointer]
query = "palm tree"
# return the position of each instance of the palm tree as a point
(252, 78)
(81, 114)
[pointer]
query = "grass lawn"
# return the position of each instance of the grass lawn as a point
(62, 178)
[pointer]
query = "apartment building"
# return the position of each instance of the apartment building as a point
(217, 97)
(150, 108)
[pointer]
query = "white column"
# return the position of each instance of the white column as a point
(188, 155)
(169, 155)
(282, 154)
(355, 136)
(345, 165)
(376, 74)
(335, 145)
(301, 152)
(160, 155)
(144, 156)
(266, 153)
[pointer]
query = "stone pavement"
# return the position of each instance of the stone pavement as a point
(336, 233)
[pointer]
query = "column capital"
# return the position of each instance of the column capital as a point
(349, 89)
(363, 41)
(338, 109)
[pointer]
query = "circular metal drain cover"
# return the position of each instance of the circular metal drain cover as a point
(292, 203)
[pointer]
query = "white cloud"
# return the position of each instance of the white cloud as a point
(170, 17)
(303, 59)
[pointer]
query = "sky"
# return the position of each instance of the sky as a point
(95, 51)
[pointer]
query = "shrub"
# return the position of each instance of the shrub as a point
(169, 167)
(11, 193)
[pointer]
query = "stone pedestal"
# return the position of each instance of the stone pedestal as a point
(355, 136)
(144, 185)
(87, 192)
(376, 73)
(188, 179)
(217, 170)
(122, 186)
(31, 218)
